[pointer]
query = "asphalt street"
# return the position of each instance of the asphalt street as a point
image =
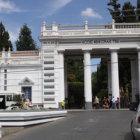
(82, 125)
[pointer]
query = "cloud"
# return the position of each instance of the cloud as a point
(13, 33)
(57, 5)
(89, 12)
(8, 7)
(13, 36)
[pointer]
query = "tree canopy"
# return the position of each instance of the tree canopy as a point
(138, 10)
(4, 39)
(115, 11)
(25, 41)
(128, 13)
(125, 13)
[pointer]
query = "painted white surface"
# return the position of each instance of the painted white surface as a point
(115, 74)
(27, 118)
(56, 40)
(87, 77)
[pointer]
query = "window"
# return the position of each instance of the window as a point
(48, 93)
(49, 74)
(49, 86)
(48, 68)
(9, 97)
(49, 80)
(5, 88)
(49, 99)
(5, 79)
(48, 62)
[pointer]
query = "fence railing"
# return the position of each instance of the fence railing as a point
(92, 26)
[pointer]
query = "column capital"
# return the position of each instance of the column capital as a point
(87, 50)
(114, 49)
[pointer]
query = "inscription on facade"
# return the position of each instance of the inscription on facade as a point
(103, 41)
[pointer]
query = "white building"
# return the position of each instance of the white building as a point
(41, 75)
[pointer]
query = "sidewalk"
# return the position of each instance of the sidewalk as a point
(122, 109)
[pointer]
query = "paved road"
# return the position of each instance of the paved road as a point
(82, 125)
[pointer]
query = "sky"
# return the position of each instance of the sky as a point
(14, 13)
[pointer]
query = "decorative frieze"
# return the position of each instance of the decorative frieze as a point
(101, 41)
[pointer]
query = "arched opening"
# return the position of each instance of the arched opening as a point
(75, 83)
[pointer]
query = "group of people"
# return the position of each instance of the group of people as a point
(27, 104)
(111, 103)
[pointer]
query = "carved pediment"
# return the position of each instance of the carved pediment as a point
(26, 81)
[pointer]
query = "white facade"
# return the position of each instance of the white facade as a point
(22, 69)
(45, 71)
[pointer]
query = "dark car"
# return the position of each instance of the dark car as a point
(133, 106)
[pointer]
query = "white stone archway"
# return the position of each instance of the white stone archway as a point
(104, 40)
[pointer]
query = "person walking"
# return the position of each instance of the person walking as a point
(113, 103)
(97, 102)
(118, 103)
(63, 104)
(110, 102)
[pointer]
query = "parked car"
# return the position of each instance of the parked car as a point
(133, 106)
(135, 125)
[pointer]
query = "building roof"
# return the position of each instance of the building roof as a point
(24, 53)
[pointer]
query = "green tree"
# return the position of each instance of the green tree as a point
(75, 70)
(125, 73)
(128, 13)
(99, 79)
(115, 11)
(75, 77)
(25, 41)
(138, 10)
(4, 39)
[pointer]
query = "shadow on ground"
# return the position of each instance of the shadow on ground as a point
(128, 136)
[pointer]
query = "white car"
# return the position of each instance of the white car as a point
(135, 125)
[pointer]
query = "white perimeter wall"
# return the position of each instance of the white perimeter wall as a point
(16, 75)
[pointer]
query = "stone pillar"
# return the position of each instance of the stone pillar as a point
(109, 79)
(139, 73)
(134, 79)
(115, 74)
(61, 78)
(87, 80)
(43, 28)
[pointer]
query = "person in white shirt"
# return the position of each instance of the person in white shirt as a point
(113, 103)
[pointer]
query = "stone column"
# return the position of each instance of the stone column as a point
(115, 73)
(109, 79)
(134, 79)
(61, 78)
(87, 80)
(139, 73)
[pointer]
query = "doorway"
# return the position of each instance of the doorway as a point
(27, 92)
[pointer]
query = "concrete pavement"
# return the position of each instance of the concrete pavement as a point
(82, 125)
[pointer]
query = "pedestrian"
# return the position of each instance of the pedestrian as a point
(110, 102)
(118, 103)
(105, 101)
(97, 102)
(63, 104)
(113, 103)
(30, 104)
